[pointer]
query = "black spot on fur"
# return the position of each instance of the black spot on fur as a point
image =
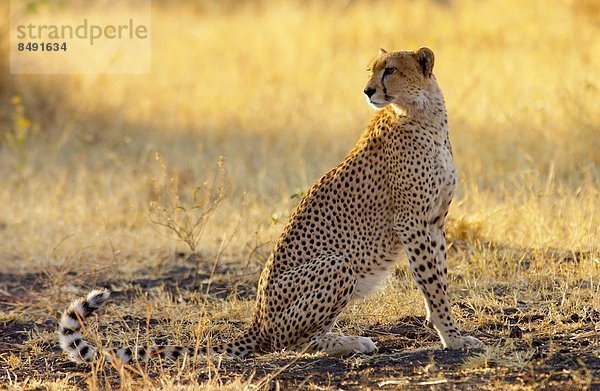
(76, 342)
(84, 351)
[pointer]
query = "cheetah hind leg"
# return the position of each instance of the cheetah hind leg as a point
(323, 287)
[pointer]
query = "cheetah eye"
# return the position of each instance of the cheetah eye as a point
(389, 71)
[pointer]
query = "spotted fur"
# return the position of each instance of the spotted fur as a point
(391, 193)
(71, 339)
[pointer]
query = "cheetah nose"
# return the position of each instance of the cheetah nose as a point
(369, 91)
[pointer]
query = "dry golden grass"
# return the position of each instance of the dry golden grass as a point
(275, 89)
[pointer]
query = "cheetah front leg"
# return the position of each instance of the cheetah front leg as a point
(438, 243)
(428, 265)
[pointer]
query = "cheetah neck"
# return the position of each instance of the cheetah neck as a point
(429, 111)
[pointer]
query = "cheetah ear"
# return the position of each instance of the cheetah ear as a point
(425, 59)
(381, 51)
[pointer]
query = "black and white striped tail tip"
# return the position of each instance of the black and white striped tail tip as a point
(98, 296)
(71, 322)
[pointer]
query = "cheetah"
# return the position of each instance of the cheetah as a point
(391, 192)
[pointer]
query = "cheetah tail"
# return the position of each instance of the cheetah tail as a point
(72, 321)
(80, 351)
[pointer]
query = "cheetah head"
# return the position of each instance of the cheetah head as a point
(402, 79)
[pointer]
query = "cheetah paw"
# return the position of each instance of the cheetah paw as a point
(365, 345)
(346, 345)
(464, 342)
